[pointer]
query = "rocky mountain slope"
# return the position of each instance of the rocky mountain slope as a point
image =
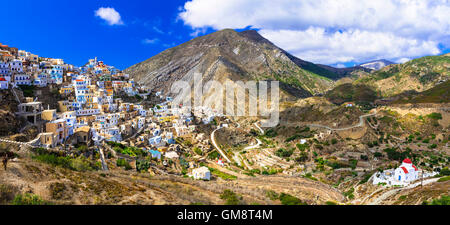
(58, 185)
(416, 75)
(230, 55)
(9, 122)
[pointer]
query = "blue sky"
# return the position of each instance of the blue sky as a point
(326, 31)
(70, 29)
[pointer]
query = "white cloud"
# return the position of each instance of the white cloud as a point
(157, 30)
(110, 15)
(150, 41)
(317, 45)
(330, 31)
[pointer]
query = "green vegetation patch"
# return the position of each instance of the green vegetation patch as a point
(287, 199)
(80, 163)
(221, 174)
(230, 197)
(28, 90)
(29, 199)
(130, 151)
(123, 163)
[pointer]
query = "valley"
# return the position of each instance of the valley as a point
(124, 140)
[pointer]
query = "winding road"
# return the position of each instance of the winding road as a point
(259, 128)
(360, 124)
(213, 140)
(236, 156)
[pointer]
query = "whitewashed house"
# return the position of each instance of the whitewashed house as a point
(22, 79)
(171, 155)
(201, 173)
(4, 84)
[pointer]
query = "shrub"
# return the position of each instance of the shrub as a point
(131, 151)
(287, 199)
(302, 147)
(123, 163)
(115, 144)
(302, 158)
(353, 163)
(78, 164)
(230, 197)
(270, 133)
(284, 153)
(393, 154)
(336, 164)
(349, 194)
(82, 164)
(198, 151)
(334, 141)
(28, 90)
(443, 179)
(142, 165)
(435, 116)
(445, 172)
(7, 193)
(213, 155)
(272, 195)
(378, 154)
(28, 199)
(444, 200)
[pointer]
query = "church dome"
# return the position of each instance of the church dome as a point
(407, 161)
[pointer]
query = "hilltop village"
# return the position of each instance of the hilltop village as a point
(94, 110)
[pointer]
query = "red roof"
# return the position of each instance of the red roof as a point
(407, 161)
(404, 169)
(415, 167)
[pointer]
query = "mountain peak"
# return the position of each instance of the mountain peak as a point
(255, 36)
(376, 64)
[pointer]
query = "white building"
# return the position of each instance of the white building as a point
(201, 173)
(87, 112)
(16, 66)
(4, 84)
(407, 172)
(22, 79)
(4, 69)
(403, 175)
(171, 155)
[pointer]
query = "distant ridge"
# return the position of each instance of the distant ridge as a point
(376, 64)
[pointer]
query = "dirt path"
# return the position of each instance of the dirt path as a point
(389, 193)
(360, 124)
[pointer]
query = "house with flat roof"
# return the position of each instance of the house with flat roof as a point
(31, 111)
